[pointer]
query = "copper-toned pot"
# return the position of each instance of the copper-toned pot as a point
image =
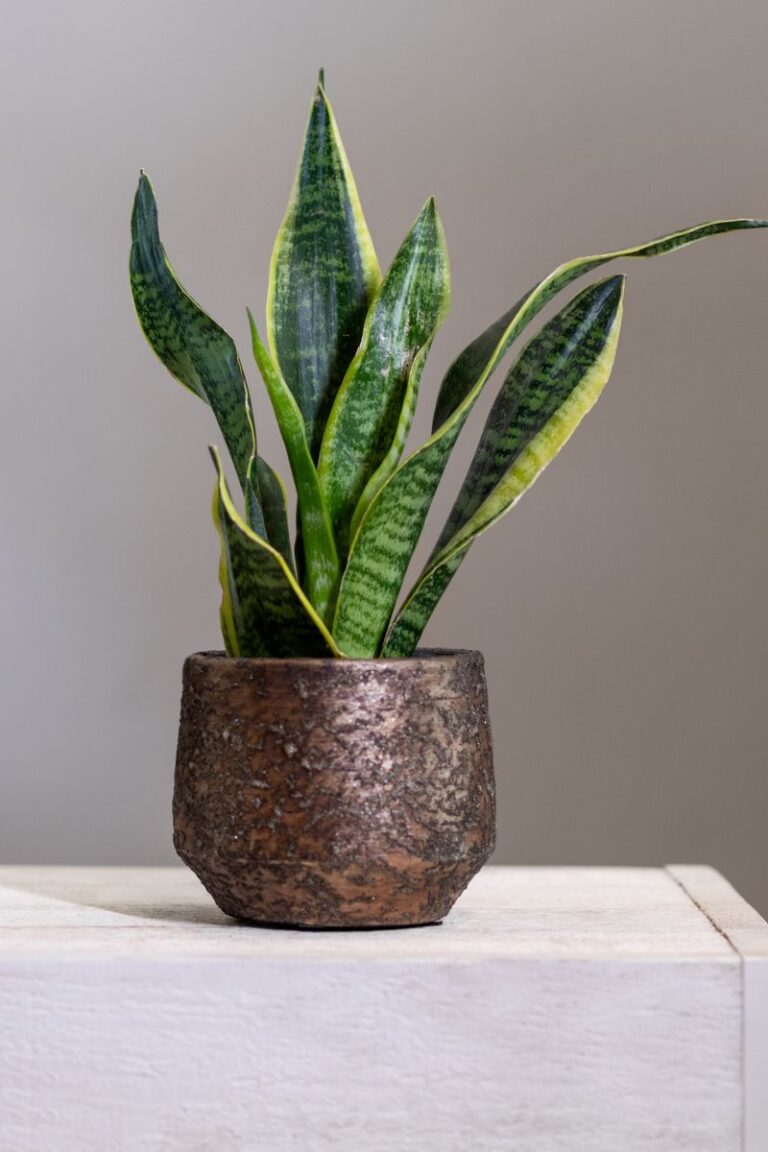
(335, 793)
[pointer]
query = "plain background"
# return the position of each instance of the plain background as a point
(621, 606)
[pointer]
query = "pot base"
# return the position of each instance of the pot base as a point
(315, 896)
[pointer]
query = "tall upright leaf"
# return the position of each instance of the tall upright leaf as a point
(389, 531)
(263, 610)
(548, 391)
(323, 274)
(318, 549)
(370, 406)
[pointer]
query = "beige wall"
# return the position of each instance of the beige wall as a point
(621, 607)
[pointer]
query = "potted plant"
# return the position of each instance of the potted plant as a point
(329, 773)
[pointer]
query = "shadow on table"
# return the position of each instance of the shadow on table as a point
(61, 895)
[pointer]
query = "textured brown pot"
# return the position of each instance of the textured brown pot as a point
(335, 793)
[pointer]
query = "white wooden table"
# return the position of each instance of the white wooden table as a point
(556, 1010)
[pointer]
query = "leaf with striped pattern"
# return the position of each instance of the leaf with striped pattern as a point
(263, 610)
(323, 273)
(321, 561)
(370, 417)
(469, 365)
(192, 346)
(480, 357)
(202, 357)
(383, 546)
(274, 510)
(397, 447)
(551, 387)
(388, 533)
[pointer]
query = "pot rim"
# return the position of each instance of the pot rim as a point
(422, 656)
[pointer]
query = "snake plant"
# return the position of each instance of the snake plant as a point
(342, 365)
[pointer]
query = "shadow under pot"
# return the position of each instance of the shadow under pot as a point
(335, 793)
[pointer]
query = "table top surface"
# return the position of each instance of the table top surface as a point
(675, 913)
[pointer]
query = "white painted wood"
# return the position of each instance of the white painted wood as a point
(556, 1010)
(747, 932)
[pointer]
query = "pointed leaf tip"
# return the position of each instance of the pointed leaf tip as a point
(613, 287)
(429, 211)
(144, 204)
(606, 294)
(323, 273)
(321, 78)
(428, 216)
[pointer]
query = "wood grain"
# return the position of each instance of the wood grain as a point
(556, 1010)
(747, 933)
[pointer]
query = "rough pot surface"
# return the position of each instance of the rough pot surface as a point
(335, 793)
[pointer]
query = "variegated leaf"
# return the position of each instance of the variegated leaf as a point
(554, 383)
(479, 358)
(263, 611)
(397, 447)
(370, 417)
(191, 345)
(323, 274)
(319, 554)
(274, 511)
(389, 531)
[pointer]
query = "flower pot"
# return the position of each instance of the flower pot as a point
(335, 793)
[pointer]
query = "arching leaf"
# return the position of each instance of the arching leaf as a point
(554, 383)
(480, 357)
(390, 529)
(191, 345)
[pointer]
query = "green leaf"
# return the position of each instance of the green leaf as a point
(370, 417)
(203, 357)
(384, 543)
(554, 383)
(263, 611)
(392, 458)
(319, 550)
(272, 505)
(323, 274)
(390, 529)
(191, 345)
(572, 354)
(406, 631)
(470, 364)
(254, 513)
(480, 357)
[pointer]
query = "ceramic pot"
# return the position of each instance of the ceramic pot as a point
(335, 793)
